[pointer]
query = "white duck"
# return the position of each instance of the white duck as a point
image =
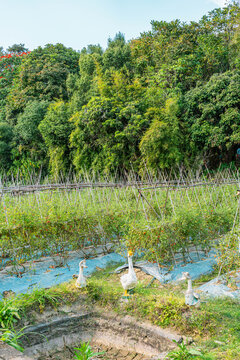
(129, 280)
(81, 280)
(191, 298)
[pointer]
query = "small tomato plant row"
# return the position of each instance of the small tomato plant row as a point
(53, 222)
(161, 240)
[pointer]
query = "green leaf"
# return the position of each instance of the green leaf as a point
(194, 352)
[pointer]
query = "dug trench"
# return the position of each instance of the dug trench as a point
(119, 337)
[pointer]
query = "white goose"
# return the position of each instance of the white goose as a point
(81, 280)
(129, 280)
(191, 298)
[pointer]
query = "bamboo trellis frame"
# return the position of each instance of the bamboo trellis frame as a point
(102, 191)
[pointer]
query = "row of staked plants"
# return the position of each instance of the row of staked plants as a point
(161, 221)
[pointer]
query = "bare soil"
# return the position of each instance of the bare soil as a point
(56, 333)
(110, 353)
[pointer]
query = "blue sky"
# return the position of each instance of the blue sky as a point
(77, 23)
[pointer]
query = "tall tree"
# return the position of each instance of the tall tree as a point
(81, 87)
(9, 64)
(211, 113)
(42, 76)
(55, 129)
(27, 137)
(6, 137)
(161, 145)
(17, 49)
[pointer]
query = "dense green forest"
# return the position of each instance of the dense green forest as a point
(170, 97)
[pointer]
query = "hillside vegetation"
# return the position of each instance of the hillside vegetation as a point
(168, 98)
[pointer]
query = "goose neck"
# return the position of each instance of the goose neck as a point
(130, 263)
(189, 284)
(80, 270)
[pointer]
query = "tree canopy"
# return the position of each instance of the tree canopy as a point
(164, 99)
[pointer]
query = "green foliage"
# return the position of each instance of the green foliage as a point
(160, 145)
(212, 114)
(167, 311)
(84, 352)
(228, 252)
(98, 291)
(26, 129)
(55, 223)
(42, 298)
(83, 87)
(9, 63)
(176, 233)
(42, 76)
(118, 53)
(27, 137)
(13, 309)
(6, 138)
(120, 100)
(199, 322)
(183, 353)
(9, 313)
(106, 134)
(57, 227)
(11, 337)
(55, 129)
(17, 48)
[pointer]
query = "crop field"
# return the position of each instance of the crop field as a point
(167, 221)
(160, 216)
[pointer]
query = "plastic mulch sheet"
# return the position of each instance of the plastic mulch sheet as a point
(218, 287)
(195, 269)
(43, 274)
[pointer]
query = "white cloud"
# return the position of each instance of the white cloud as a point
(220, 3)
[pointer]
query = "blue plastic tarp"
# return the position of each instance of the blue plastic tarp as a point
(43, 276)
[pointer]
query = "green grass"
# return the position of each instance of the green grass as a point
(214, 326)
(84, 352)
(15, 309)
